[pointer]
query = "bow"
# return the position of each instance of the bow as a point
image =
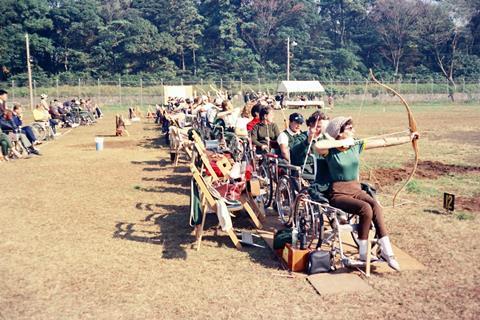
(412, 125)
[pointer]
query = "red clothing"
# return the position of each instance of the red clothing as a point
(252, 124)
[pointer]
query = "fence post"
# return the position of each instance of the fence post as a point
(141, 92)
(120, 88)
(98, 90)
(241, 85)
(34, 92)
(463, 85)
(416, 86)
(259, 89)
(79, 88)
(431, 88)
(181, 81)
(221, 84)
(349, 88)
(56, 86)
(13, 90)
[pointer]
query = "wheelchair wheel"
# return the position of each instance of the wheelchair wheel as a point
(284, 199)
(304, 211)
(39, 131)
(266, 184)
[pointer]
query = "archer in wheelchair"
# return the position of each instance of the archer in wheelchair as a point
(342, 158)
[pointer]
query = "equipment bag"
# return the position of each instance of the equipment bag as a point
(320, 261)
(281, 238)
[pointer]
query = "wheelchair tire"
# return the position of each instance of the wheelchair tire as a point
(284, 199)
(304, 209)
(39, 131)
(266, 180)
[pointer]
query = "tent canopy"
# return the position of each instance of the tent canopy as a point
(177, 91)
(300, 86)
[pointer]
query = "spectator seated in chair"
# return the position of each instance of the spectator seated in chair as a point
(27, 130)
(120, 126)
(40, 114)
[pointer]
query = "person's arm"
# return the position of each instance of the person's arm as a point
(322, 146)
(389, 141)
(282, 141)
(255, 137)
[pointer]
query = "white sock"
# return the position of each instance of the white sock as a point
(386, 246)
(362, 249)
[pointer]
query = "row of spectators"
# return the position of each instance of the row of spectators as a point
(18, 139)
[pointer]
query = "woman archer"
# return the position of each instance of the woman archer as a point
(342, 155)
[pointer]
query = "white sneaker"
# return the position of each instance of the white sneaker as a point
(392, 262)
(57, 134)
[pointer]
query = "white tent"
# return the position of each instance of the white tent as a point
(177, 91)
(300, 86)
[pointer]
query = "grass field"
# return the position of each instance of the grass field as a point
(105, 235)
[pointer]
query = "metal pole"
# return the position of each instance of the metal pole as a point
(56, 85)
(181, 81)
(259, 86)
(13, 90)
(432, 88)
(141, 92)
(288, 58)
(221, 84)
(29, 68)
(98, 90)
(34, 91)
(120, 89)
(79, 88)
(241, 85)
(416, 86)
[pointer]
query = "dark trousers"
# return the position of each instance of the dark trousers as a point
(27, 130)
(348, 196)
(53, 124)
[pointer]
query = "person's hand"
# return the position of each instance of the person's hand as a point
(414, 136)
(264, 147)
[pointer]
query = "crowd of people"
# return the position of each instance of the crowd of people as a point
(19, 140)
(332, 142)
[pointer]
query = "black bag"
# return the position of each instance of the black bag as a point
(320, 261)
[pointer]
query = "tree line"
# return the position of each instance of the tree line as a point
(232, 39)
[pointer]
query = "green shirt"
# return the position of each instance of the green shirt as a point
(344, 165)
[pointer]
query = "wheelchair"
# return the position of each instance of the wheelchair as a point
(291, 179)
(42, 130)
(320, 221)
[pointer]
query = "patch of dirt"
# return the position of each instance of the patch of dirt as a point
(425, 170)
(468, 204)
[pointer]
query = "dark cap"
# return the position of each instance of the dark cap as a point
(297, 117)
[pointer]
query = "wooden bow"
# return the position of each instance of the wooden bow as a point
(412, 125)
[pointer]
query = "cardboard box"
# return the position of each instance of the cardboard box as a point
(295, 259)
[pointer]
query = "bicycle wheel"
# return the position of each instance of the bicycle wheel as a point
(266, 184)
(39, 131)
(284, 199)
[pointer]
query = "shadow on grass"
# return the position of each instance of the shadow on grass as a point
(154, 143)
(167, 225)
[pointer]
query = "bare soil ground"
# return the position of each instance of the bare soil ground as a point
(105, 235)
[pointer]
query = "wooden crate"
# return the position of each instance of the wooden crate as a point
(295, 259)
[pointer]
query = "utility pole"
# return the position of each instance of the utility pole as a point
(288, 56)
(29, 68)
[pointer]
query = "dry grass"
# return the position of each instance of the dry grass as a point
(105, 235)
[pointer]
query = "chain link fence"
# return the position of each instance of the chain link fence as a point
(143, 93)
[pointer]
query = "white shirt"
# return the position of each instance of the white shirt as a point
(283, 137)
